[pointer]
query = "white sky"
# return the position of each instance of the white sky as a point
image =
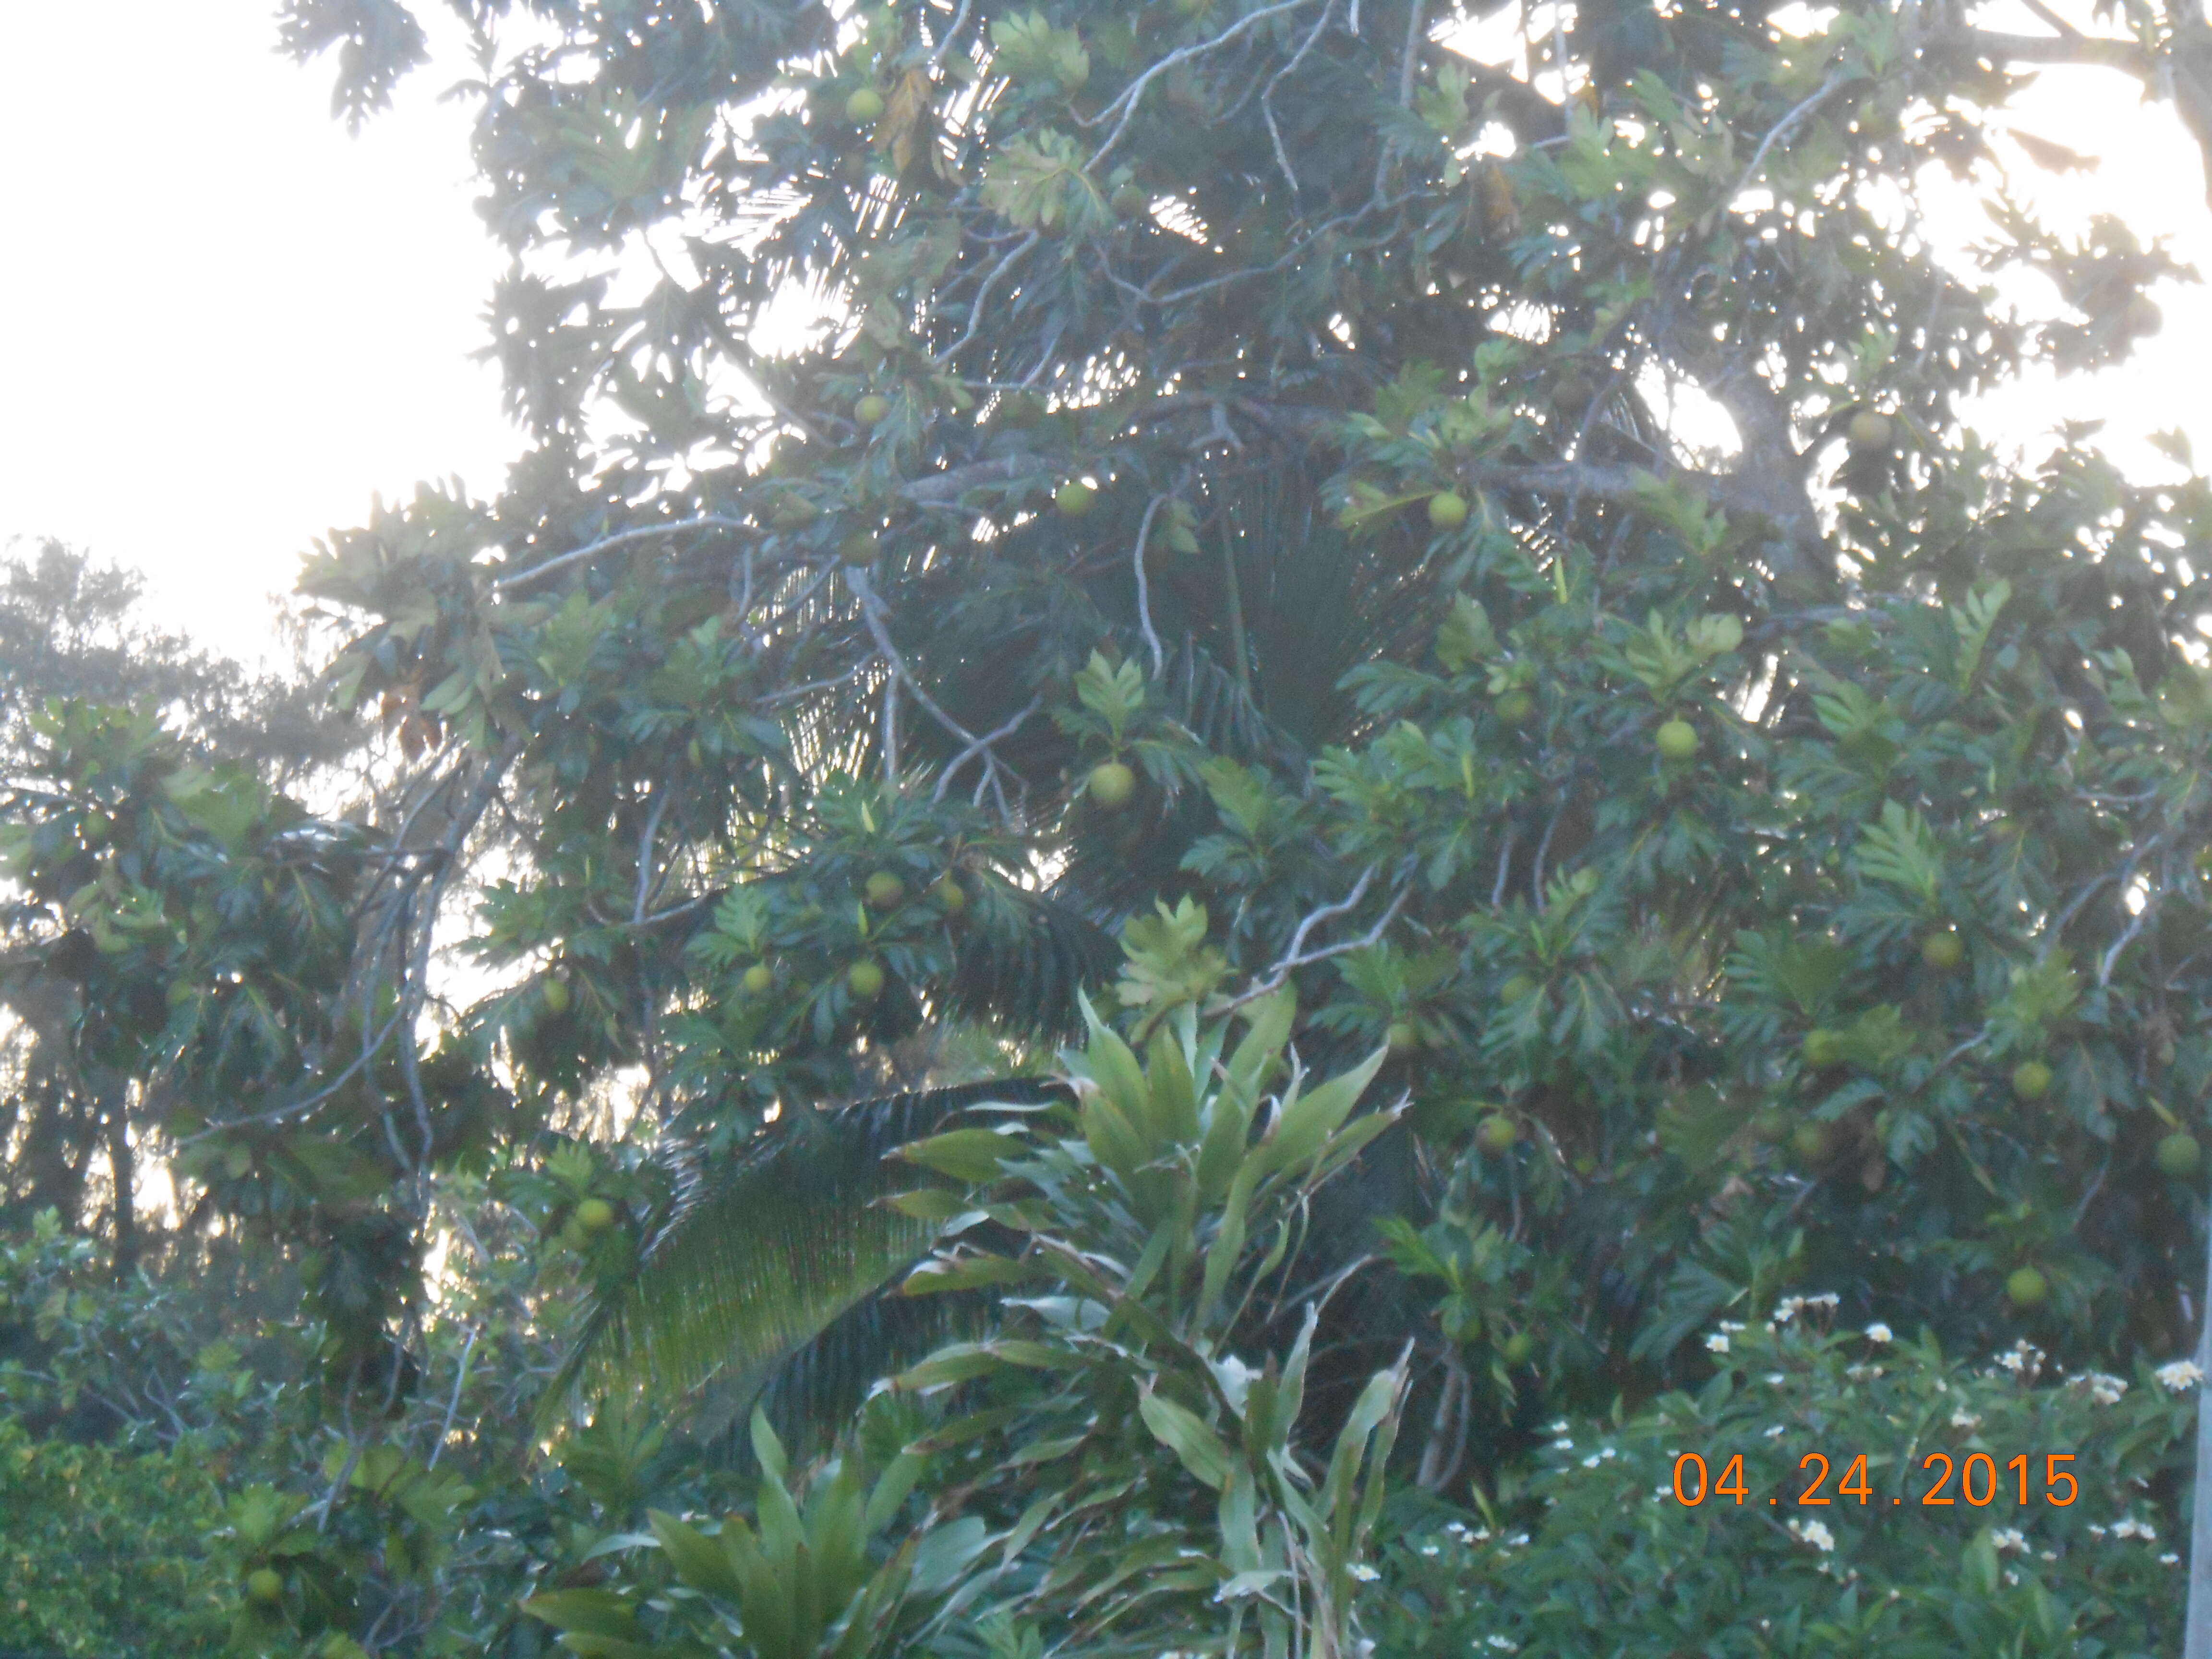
(233, 322)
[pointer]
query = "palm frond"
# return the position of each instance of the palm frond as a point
(763, 1253)
(1028, 983)
(812, 1396)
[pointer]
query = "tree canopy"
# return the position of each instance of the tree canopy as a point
(1113, 523)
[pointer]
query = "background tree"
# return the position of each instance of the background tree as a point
(70, 634)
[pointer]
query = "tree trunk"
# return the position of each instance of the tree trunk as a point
(122, 1169)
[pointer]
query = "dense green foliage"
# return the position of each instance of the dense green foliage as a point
(1602, 1558)
(102, 1554)
(1236, 545)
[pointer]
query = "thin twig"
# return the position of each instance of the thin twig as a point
(707, 521)
(1786, 125)
(460, 1377)
(1267, 98)
(1536, 879)
(890, 728)
(1135, 93)
(983, 296)
(1416, 16)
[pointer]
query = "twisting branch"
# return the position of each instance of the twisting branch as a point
(1132, 95)
(1296, 957)
(2126, 938)
(871, 609)
(959, 22)
(1416, 20)
(1143, 589)
(983, 296)
(1267, 97)
(414, 989)
(983, 746)
(1787, 125)
(460, 1380)
(621, 537)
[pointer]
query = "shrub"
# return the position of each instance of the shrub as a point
(1595, 1554)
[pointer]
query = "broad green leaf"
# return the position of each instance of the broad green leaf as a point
(971, 1155)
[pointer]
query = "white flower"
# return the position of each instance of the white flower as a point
(1862, 1373)
(1728, 1325)
(1787, 1309)
(1428, 1549)
(1517, 1540)
(1563, 1445)
(1365, 1574)
(1559, 1427)
(2169, 1559)
(2048, 1555)
(1592, 1460)
(1718, 1342)
(2105, 1390)
(2012, 1579)
(1503, 1645)
(2096, 1531)
(1776, 1432)
(1963, 1419)
(1813, 1532)
(1661, 1492)
(2179, 1374)
(2134, 1528)
(2005, 1538)
(1775, 1379)
(1879, 1332)
(1825, 1299)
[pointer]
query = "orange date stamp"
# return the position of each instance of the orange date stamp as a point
(1976, 1481)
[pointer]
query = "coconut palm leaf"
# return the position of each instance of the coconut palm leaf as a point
(1027, 982)
(762, 1254)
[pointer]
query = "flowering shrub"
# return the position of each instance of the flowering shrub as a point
(1595, 1554)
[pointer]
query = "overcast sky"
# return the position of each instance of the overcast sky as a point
(231, 321)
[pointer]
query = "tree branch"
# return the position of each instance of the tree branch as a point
(708, 521)
(1134, 93)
